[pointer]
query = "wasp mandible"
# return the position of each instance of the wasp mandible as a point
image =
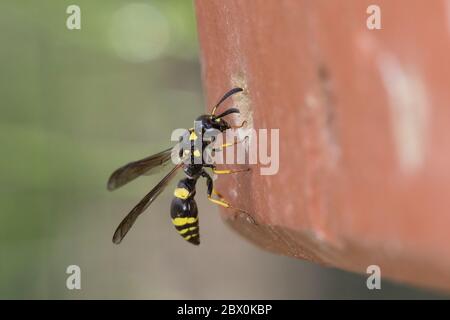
(183, 210)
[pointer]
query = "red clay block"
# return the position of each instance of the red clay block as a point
(364, 119)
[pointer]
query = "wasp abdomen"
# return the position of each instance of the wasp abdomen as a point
(184, 215)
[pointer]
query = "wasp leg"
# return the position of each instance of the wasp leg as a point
(244, 123)
(220, 201)
(228, 171)
(217, 193)
(225, 145)
(210, 190)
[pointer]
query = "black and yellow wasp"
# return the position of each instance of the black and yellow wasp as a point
(183, 211)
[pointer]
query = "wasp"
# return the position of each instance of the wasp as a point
(183, 210)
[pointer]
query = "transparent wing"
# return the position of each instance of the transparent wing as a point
(129, 220)
(132, 170)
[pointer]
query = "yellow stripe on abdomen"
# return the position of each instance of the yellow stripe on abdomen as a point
(182, 221)
(191, 236)
(183, 231)
(181, 193)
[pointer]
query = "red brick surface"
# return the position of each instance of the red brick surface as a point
(364, 119)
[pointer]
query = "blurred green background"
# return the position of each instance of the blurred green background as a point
(75, 105)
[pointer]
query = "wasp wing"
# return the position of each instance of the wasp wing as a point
(129, 220)
(132, 170)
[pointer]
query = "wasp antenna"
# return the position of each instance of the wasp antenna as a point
(227, 112)
(228, 94)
